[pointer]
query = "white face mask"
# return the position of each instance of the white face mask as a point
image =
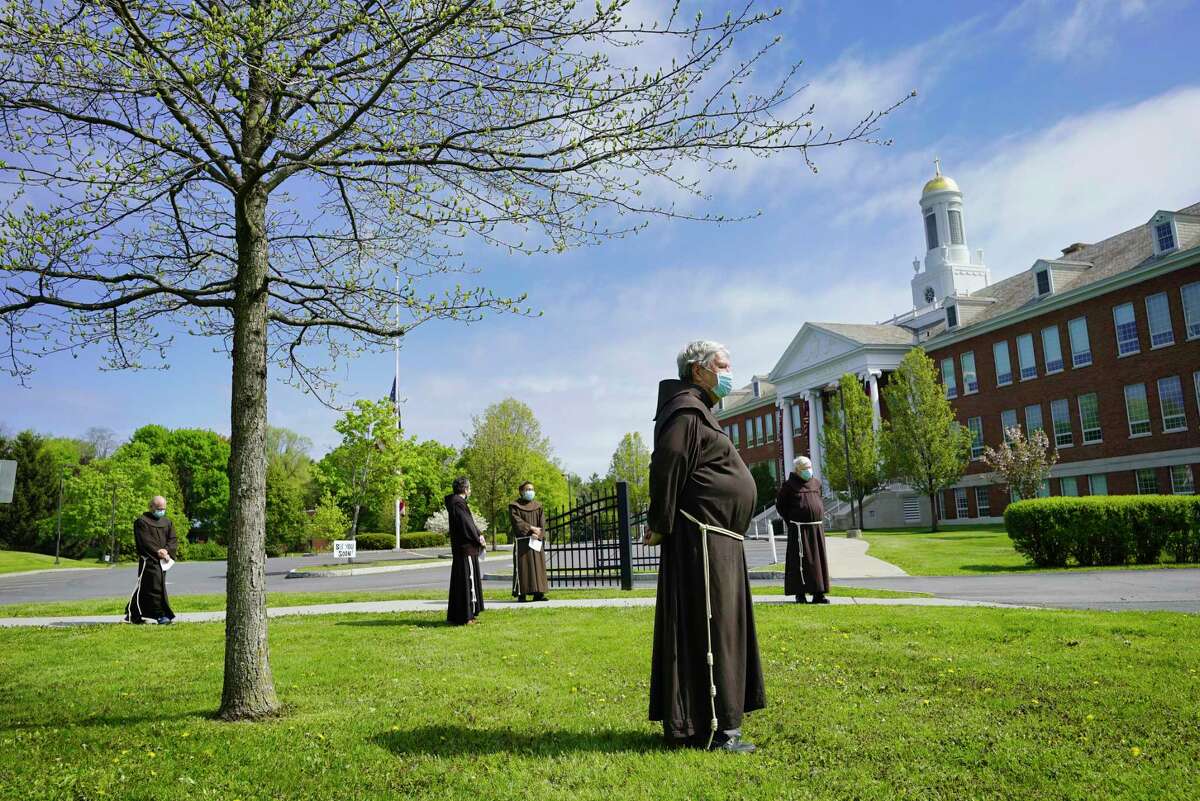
(527, 495)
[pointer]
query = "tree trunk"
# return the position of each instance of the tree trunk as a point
(933, 515)
(249, 690)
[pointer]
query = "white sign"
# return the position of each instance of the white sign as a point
(344, 549)
(8, 478)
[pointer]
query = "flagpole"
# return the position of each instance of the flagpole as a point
(396, 390)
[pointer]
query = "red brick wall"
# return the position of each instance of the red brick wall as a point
(1107, 376)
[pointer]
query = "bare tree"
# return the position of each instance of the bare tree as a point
(277, 174)
(101, 442)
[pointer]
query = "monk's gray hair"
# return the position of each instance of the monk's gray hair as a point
(156, 499)
(701, 352)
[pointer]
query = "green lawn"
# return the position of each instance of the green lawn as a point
(20, 561)
(380, 563)
(215, 602)
(863, 703)
(960, 551)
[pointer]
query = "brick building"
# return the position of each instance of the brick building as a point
(1100, 347)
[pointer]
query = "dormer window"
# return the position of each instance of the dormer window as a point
(1043, 282)
(756, 390)
(1164, 236)
(931, 235)
(951, 316)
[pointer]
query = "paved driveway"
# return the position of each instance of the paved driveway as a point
(1174, 589)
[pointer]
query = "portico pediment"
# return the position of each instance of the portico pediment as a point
(810, 347)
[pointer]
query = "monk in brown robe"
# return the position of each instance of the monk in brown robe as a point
(466, 543)
(701, 501)
(799, 504)
(155, 541)
(529, 564)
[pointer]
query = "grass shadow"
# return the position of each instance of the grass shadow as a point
(407, 622)
(453, 741)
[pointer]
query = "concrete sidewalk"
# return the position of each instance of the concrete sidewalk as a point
(384, 607)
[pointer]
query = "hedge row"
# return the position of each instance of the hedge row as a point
(413, 539)
(1106, 530)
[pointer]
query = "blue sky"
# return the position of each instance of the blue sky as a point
(1061, 121)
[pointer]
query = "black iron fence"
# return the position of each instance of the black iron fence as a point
(598, 542)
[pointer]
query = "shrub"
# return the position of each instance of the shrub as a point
(439, 521)
(376, 542)
(206, 552)
(1103, 530)
(422, 539)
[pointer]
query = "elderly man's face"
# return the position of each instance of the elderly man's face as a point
(159, 504)
(707, 376)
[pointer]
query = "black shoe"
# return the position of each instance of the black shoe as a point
(801, 599)
(537, 596)
(522, 599)
(820, 599)
(734, 745)
(164, 621)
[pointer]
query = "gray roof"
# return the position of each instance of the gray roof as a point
(870, 334)
(1126, 251)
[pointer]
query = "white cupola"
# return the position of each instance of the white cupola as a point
(949, 267)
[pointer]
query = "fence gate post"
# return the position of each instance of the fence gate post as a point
(624, 544)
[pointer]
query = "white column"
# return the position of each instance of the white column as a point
(873, 386)
(786, 431)
(815, 411)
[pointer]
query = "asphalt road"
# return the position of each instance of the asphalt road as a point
(1171, 589)
(1165, 589)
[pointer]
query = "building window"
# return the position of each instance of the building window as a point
(1165, 236)
(948, 379)
(1098, 484)
(1158, 316)
(734, 429)
(1170, 402)
(956, 228)
(1025, 357)
(1081, 348)
(1060, 418)
(931, 238)
(1147, 481)
(754, 383)
(976, 426)
(1181, 480)
(1137, 410)
(1008, 420)
(1089, 418)
(961, 509)
(758, 431)
(1125, 320)
(1191, 309)
(951, 316)
(1043, 282)
(1068, 487)
(1052, 350)
(773, 466)
(1003, 365)
(1044, 489)
(970, 378)
(797, 419)
(1033, 419)
(983, 503)
(770, 428)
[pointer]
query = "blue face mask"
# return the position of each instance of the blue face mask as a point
(806, 474)
(527, 495)
(724, 384)
(160, 513)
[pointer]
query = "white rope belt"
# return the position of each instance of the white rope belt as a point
(705, 528)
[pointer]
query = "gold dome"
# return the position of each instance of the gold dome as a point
(940, 183)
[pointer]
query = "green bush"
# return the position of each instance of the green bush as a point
(423, 539)
(499, 538)
(205, 552)
(1104, 530)
(376, 542)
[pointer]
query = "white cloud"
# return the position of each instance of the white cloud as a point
(1079, 30)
